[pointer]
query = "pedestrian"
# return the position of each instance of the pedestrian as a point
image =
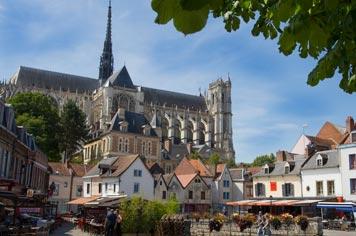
(267, 227)
(118, 224)
(110, 223)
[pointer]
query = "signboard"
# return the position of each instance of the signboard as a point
(273, 186)
(29, 210)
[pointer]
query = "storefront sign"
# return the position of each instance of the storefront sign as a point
(29, 210)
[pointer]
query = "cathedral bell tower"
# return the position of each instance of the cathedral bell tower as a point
(107, 59)
(219, 103)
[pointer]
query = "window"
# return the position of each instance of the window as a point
(226, 195)
(121, 144)
(288, 189)
(99, 188)
(164, 195)
(65, 184)
(160, 182)
(202, 195)
(137, 173)
(149, 148)
(226, 183)
(286, 169)
(319, 162)
(260, 190)
(266, 170)
(319, 188)
(88, 188)
(190, 195)
(126, 148)
(331, 187)
(114, 188)
(56, 190)
(353, 186)
(197, 181)
(79, 190)
(352, 161)
(136, 188)
(106, 187)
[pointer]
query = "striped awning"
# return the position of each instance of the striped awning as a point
(240, 203)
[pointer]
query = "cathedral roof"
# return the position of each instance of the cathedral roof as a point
(135, 122)
(172, 99)
(30, 77)
(121, 79)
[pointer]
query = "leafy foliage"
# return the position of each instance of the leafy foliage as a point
(74, 128)
(323, 30)
(39, 114)
(214, 159)
(195, 155)
(141, 216)
(264, 159)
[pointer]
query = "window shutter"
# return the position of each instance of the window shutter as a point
(263, 190)
(283, 190)
(292, 189)
(256, 190)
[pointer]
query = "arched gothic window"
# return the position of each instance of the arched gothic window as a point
(123, 101)
(201, 133)
(165, 126)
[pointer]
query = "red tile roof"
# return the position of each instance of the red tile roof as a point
(58, 168)
(200, 167)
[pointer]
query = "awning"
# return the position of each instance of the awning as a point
(82, 200)
(240, 203)
(262, 203)
(340, 206)
(284, 202)
(305, 202)
(105, 201)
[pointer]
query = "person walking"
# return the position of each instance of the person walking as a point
(267, 227)
(117, 228)
(110, 223)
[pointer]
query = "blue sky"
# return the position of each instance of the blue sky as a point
(271, 100)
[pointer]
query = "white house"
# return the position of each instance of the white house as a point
(222, 187)
(120, 175)
(347, 154)
(321, 176)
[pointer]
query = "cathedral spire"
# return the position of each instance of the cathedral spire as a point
(107, 59)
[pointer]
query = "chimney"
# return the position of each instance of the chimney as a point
(189, 148)
(350, 124)
(168, 145)
(281, 156)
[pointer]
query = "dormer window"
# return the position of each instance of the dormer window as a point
(321, 160)
(266, 170)
(124, 126)
(353, 137)
(286, 169)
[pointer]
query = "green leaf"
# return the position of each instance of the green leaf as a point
(216, 4)
(331, 5)
(189, 22)
(306, 4)
(193, 5)
(286, 43)
(165, 10)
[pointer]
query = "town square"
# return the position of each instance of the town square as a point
(177, 117)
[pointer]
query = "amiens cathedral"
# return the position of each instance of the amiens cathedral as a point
(177, 118)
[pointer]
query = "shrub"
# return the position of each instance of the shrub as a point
(287, 219)
(276, 222)
(247, 221)
(217, 222)
(236, 218)
(302, 221)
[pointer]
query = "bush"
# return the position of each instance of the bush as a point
(141, 216)
(287, 219)
(303, 222)
(217, 222)
(247, 221)
(276, 222)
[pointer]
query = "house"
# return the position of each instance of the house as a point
(23, 166)
(66, 178)
(127, 133)
(161, 187)
(321, 176)
(281, 179)
(242, 185)
(121, 175)
(222, 188)
(347, 153)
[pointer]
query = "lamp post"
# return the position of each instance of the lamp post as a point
(270, 201)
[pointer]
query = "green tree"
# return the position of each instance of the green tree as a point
(214, 159)
(195, 155)
(172, 206)
(264, 159)
(38, 113)
(324, 30)
(74, 128)
(231, 163)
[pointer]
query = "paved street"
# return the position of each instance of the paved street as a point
(68, 230)
(338, 233)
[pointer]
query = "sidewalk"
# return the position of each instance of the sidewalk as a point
(338, 233)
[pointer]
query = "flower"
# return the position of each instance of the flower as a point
(302, 221)
(287, 219)
(276, 222)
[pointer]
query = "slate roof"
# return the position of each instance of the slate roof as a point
(29, 77)
(121, 79)
(173, 99)
(135, 122)
(237, 173)
(278, 168)
(331, 160)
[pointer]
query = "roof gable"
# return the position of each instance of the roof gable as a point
(200, 167)
(121, 79)
(331, 131)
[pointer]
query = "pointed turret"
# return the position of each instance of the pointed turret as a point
(107, 59)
